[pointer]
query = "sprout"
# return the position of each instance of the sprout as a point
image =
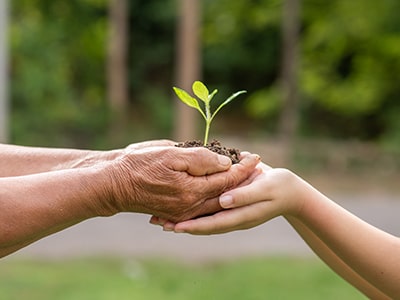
(201, 91)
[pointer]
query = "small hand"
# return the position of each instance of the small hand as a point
(267, 194)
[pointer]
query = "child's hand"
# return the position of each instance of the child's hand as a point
(267, 194)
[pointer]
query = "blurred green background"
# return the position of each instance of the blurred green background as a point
(348, 70)
(120, 279)
(345, 112)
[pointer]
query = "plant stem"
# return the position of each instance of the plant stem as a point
(208, 121)
(206, 133)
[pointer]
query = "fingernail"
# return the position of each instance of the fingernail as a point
(226, 201)
(256, 156)
(178, 230)
(168, 227)
(224, 160)
(153, 220)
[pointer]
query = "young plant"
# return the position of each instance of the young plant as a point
(201, 91)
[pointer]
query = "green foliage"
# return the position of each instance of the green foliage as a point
(58, 58)
(390, 139)
(201, 91)
(151, 46)
(264, 102)
(350, 66)
(244, 279)
(347, 52)
(349, 72)
(241, 42)
(350, 62)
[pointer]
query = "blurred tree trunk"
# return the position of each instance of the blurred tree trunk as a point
(188, 65)
(290, 35)
(117, 74)
(3, 71)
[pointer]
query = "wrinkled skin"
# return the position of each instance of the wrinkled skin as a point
(174, 183)
(95, 157)
(53, 189)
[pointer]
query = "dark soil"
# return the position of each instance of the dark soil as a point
(215, 146)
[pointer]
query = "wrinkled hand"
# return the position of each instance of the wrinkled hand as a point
(93, 158)
(266, 194)
(147, 144)
(174, 183)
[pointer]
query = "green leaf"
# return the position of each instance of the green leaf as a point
(227, 101)
(188, 100)
(212, 94)
(201, 91)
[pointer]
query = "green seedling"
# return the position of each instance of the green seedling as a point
(201, 91)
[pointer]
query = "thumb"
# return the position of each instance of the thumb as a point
(244, 195)
(201, 161)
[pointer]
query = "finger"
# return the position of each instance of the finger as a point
(244, 153)
(206, 225)
(253, 189)
(263, 166)
(200, 161)
(153, 220)
(244, 195)
(208, 207)
(228, 220)
(257, 171)
(237, 174)
(158, 221)
(250, 179)
(169, 226)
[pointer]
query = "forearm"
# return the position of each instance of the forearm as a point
(370, 252)
(35, 206)
(20, 160)
(334, 262)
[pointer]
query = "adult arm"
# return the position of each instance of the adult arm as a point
(34, 206)
(169, 182)
(22, 160)
(367, 257)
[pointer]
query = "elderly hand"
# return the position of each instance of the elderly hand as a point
(52, 189)
(89, 158)
(174, 183)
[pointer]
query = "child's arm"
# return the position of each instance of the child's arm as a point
(368, 251)
(334, 262)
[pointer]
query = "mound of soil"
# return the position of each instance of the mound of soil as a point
(215, 146)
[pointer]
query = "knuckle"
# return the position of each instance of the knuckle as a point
(233, 180)
(283, 174)
(203, 154)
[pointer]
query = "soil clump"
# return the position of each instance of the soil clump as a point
(215, 146)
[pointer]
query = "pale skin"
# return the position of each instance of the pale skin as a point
(365, 256)
(43, 191)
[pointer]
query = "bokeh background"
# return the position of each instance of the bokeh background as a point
(322, 81)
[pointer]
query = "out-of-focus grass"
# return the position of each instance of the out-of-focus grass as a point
(108, 279)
